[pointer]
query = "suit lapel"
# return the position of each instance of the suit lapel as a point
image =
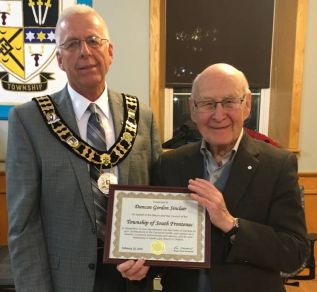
(242, 171)
(80, 167)
(195, 159)
(191, 165)
(65, 108)
(116, 108)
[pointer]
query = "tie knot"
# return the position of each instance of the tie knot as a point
(94, 111)
(92, 107)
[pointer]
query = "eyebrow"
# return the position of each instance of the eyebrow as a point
(216, 99)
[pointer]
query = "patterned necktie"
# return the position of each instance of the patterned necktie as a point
(96, 137)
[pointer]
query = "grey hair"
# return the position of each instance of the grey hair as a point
(78, 9)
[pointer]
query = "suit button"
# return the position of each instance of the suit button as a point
(93, 230)
(91, 266)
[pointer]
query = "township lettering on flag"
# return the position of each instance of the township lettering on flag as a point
(28, 65)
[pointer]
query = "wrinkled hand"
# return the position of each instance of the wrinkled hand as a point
(207, 195)
(133, 270)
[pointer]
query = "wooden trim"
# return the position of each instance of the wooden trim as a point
(287, 72)
(2, 183)
(157, 60)
(309, 181)
(298, 74)
(3, 211)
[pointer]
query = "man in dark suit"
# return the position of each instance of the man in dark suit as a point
(54, 239)
(249, 189)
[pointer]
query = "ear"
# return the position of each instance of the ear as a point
(59, 60)
(110, 51)
(247, 106)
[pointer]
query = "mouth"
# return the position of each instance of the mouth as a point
(218, 128)
(86, 67)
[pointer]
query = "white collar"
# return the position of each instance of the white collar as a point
(81, 103)
(229, 155)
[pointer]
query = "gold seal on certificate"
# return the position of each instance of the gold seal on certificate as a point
(157, 247)
(105, 180)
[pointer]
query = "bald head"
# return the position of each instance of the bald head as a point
(219, 75)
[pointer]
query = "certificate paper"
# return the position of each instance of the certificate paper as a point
(162, 225)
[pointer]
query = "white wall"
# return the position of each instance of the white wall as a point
(128, 23)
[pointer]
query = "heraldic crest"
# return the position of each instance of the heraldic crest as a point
(27, 43)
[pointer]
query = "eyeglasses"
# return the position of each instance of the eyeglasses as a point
(93, 42)
(209, 106)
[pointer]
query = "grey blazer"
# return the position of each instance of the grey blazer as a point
(262, 190)
(52, 232)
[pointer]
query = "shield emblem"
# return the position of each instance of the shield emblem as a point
(27, 36)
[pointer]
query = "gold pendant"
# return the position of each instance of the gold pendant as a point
(105, 180)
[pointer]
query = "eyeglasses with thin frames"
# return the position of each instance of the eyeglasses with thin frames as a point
(209, 106)
(93, 42)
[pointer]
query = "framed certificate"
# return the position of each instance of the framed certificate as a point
(163, 225)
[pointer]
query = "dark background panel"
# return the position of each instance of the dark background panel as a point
(203, 32)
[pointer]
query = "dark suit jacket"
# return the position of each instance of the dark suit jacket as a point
(52, 231)
(262, 190)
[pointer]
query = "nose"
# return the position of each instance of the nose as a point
(84, 48)
(219, 112)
